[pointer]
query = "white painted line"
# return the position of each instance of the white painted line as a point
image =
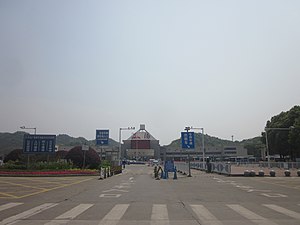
(121, 186)
(131, 178)
(9, 205)
(110, 195)
(28, 213)
(57, 222)
(114, 215)
(274, 195)
(253, 217)
(71, 214)
(284, 211)
(111, 190)
(159, 212)
(205, 217)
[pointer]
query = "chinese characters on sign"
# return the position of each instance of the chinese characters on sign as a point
(187, 140)
(39, 143)
(102, 137)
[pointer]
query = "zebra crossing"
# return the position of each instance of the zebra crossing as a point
(159, 214)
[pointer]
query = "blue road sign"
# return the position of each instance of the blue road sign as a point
(187, 140)
(39, 143)
(169, 166)
(102, 137)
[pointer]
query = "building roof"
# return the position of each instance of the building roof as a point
(141, 134)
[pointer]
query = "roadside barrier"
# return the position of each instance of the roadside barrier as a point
(272, 173)
(287, 173)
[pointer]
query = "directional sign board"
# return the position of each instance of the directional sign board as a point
(39, 143)
(187, 140)
(102, 137)
(169, 166)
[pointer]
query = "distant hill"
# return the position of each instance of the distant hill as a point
(254, 145)
(11, 141)
(208, 141)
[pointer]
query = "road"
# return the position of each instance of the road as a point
(135, 198)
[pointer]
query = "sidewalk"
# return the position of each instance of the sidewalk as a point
(239, 170)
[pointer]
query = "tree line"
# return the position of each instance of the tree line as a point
(283, 134)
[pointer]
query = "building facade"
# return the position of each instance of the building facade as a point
(141, 146)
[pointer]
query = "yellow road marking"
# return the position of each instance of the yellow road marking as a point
(22, 185)
(50, 189)
(7, 195)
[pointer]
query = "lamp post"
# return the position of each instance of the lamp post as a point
(29, 128)
(273, 128)
(202, 129)
(120, 144)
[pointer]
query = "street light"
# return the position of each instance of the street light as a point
(29, 128)
(273, 128)
(203, 153)
(120, 145)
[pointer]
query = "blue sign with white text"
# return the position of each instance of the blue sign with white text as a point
(169, 166)
(102, 137)
(39, 143)
(187, 140)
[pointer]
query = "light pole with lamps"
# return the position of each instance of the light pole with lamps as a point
(120, 144)
(266, 132)
(29, 128)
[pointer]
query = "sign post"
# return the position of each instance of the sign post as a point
(102, 139)
(37, 144)
(188, 142)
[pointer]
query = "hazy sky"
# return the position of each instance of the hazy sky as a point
(76, 66)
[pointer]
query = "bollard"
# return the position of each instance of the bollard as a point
(175, 175)
(272, 173)
(252, 173)
(246, 173)
(155, 172)
(100, 173)
(261, 173)
(287, 173)
(298, 173)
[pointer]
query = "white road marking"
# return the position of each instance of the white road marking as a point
(114, 215)
(69, 215)
(28, 213)
(255, 218)
(114, 190)
(284, 211)
(9, 205)
(205, 217)
(159, 215)
(110, 195)
(274, 195)
(131, 178)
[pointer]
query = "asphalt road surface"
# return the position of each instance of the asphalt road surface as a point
(136, 198)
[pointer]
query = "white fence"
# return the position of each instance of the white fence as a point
(216, 167)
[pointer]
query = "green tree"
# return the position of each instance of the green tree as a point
(76, 155)
(284, 142)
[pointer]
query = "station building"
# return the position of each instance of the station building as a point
(141, 146)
